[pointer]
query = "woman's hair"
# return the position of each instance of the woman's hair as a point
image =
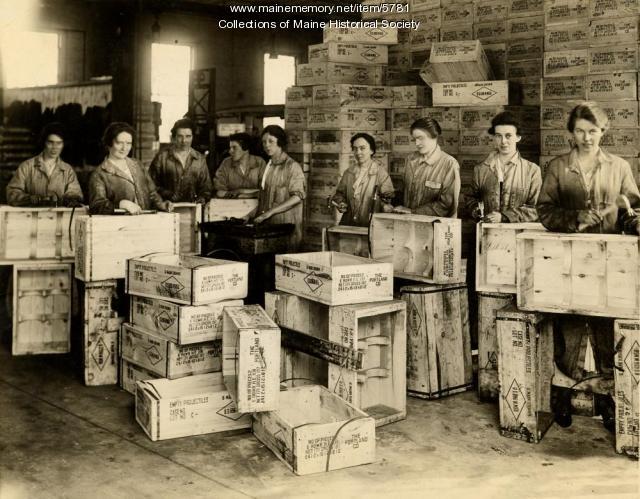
(591, 112)
(370, 140)
(504, 118)
(114, 129)
(183, 123)
(277, 132)
(244, 139)
(54, 128)
(429, 125)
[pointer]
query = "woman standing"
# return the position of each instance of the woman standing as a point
(122, 182)
(361, 183)
(282, 185)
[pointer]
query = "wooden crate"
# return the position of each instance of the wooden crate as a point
(41, 308)
(459, 61)
(525, 369)
(182, 324)
(561, 63)
(525, 27)
(355, 96)
(438, 341)
(379, 35)
(408, 96)
(447, 118)
(28, 234)
(614, 86)
(224, 209)
(345, 118)
(560, 12)
(349, 53)
(488, 305)
(334, 278)
(613, 59)
(569, 35)
(104, 243)
(346, 239)
(101, 328)
(584, 274)
(314, 430)
(569, 88)
(295, 118)
(339, 141)
(187, 280)
(131, 373)
(298, 97)
(251, 358)
(420, 247)
(613, 31)
(165, 358)
(613, 8)
(184, 407)
(190, 219)
(530, 48)
(496, 255)
(472, 93)
(298, 142)
(622, 114)
(320, 73)
(627, 384)
(525, 8)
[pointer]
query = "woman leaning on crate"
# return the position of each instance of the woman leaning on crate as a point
(362, 185)
(282, 185)
(120, 182)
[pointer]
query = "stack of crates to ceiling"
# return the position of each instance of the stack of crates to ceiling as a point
(339, 92)
(591, 53)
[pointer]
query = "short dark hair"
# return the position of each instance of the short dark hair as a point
(244, 139)
(54, 128)
(277, 132)
(591, 112)
(114, 129)
(429, 125)
(367, 137)
(504, 118)
(183, 123)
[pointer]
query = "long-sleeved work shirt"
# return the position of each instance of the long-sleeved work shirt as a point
(243, 174)
(178, 183)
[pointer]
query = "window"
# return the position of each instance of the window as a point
(170, 66)
(29, 58)
(279, 74)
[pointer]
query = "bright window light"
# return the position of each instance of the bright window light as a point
(272, 120)
(279, 74)
(170, 66)
(29, 58)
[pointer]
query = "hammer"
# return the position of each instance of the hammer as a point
(622, 202)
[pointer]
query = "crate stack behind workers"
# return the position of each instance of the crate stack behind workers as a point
(339, 92)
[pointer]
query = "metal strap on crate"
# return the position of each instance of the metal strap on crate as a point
(322, 349)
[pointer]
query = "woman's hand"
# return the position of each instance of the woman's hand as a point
(130, 207)
(589, 218)
(167, 206)
(261, 218)
(402, 209)
(387, 208)
(495, 217)
(342, 207)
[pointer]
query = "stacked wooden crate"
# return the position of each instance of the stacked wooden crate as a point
(591, 53)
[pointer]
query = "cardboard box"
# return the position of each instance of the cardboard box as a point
(457, 61)
(457, 13)
(223, 209)
(456, 32)
(558, 12)
(525, 27)
(299, 141)
(566, 63)
(438, 341)
(104, 243)
(334, 278)
(627, 374)
(497, 56)
(298, 97)
(251, 358)
(524, 69)
(166, 358)
(424, 38)
(569, 88)
(613, 8)
(525, 370)
(130, 374)
(473, 93)
(525, 8)
(345, 118)
(321, 73)
(295, 118)
(530, 48)
(352, 96)
(615, 86)
(411, 96)
(187, 280)
(616, 59)
(598, 274)
(379, 35)
(315, 431)
(430, 246)
(619, 31)
(348, 53)
(569, 35)
(185, 407)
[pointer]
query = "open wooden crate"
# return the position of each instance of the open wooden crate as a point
(224, 209)
(346, 239)
(496, 255)
(314, 430)
(28, 234)
(525, 370)
(421, 248)
(334, 278)
(131, 373)
(190, 219)
(584, 274)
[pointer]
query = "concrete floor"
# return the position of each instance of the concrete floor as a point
(59, 438)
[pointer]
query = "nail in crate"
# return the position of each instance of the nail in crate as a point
(346, 239)
(438, 340)
(627, 393)
(104, 243)
(320, 73)
(223, 209)
(28, 234)
(314, 431)
(379, 35)
(166, 358)
(585, 274)
(41, 308)
(334, 278)
(363, 347)
(131, 373)
(488, 305)
(251, 358)
(185, 407)
(187, 280)
(420, 247)
(525, 370)
(496, 255)
(190, 219)
(182, 324)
